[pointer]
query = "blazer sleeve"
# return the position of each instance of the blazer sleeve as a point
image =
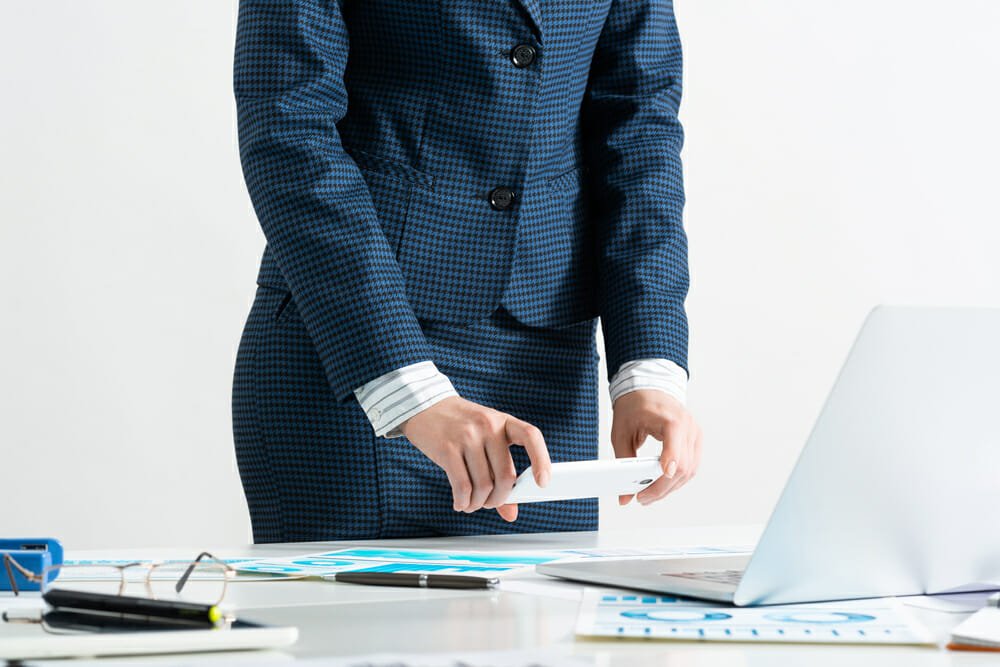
(312, 202)
(632, 144)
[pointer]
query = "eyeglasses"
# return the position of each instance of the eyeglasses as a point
(203, 580)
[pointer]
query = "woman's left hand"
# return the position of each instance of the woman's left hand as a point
(651, 412)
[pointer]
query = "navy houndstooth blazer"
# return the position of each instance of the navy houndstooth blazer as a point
(418, 159)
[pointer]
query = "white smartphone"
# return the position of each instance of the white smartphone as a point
(586, 479)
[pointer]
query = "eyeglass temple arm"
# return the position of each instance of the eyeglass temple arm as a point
(190, 569)
(7, 560)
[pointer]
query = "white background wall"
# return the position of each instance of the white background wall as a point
(838, 155)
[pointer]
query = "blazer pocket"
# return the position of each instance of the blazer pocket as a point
(569, 181)
(571, 199)
(284, 308)
(390, 183)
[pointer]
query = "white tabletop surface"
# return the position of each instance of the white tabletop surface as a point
(350, 620)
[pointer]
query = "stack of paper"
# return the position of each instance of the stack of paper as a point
(613, 614)
(433, 561)
(981, 631)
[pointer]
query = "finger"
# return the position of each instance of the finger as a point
(691, 467)
(668, 486)
(504, 472)
(529, 437)
(673, 458)
(654, 491)
(623, 443)
(697, 447)
(664, 486)
(675, 447)
(508, 512)
(461, 485)
(479, 473)
(625, 499)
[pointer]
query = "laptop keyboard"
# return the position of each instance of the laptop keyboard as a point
(719, 576)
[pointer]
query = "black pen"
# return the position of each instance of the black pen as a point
(414, 580)
(189, 612)
(99, 621)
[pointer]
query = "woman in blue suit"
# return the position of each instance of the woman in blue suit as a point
(452, 194)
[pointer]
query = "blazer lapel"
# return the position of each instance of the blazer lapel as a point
(533, 9)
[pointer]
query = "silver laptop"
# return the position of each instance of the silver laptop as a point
(896, 492)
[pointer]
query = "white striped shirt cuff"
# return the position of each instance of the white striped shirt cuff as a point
(661, 374)
(391, 399)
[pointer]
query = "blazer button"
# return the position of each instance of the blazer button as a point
(522, 55)
(501, 197)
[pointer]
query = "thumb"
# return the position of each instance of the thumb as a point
(508, 512)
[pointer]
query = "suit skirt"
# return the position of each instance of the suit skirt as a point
(312, 468)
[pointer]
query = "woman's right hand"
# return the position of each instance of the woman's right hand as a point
(471, 443)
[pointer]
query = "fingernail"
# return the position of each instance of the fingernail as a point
(671, 469)
(543, 478)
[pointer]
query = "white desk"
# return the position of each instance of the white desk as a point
(341, 619)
